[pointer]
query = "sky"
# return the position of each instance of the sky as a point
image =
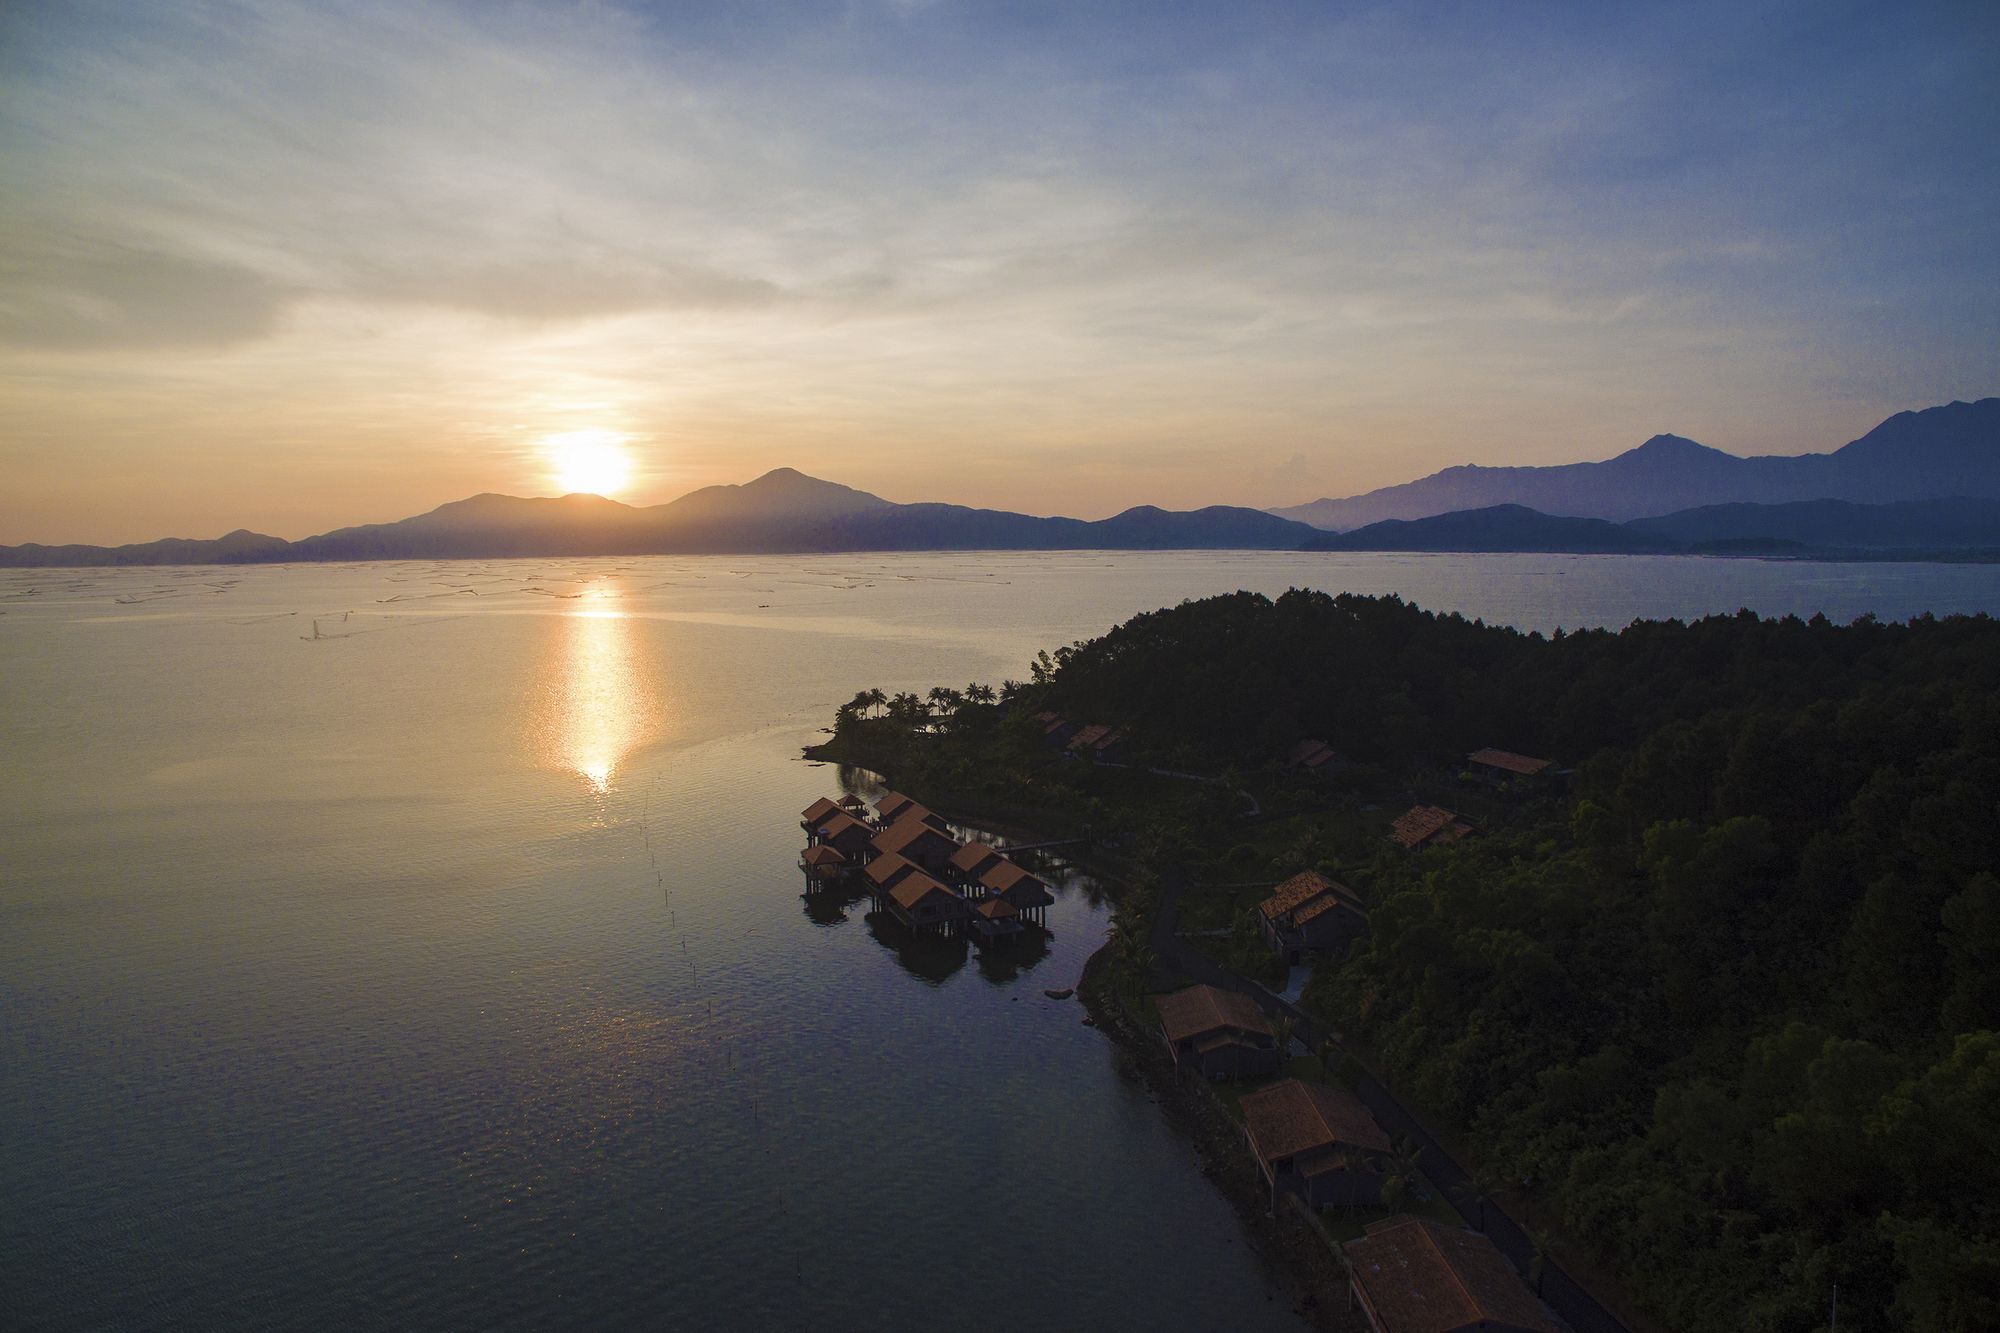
(292, 266)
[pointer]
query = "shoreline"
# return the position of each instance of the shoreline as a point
(1291, 1249)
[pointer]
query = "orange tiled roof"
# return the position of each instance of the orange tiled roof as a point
(1290, 1118)
(1200, 1011)
(907, 832)
(1507, 759)
(1426, 823)
(1004, 877)
(889, 869)
(818, 810)
(890, 806)
(1420, 1277)
(824, 855)
(1296, 892)
(996, 909)
(836, 824)
(1326, 903)
(1089, 737)
(912, 889)
(974, 857)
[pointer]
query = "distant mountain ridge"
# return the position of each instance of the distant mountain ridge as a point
(1953, 450)
(1803, 527)
(782, 512)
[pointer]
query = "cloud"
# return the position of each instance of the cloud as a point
(86, 296)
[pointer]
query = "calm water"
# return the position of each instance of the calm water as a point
(449, 969)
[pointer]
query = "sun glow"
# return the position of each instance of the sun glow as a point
(593, 461)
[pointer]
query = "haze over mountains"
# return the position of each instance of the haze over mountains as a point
(1926, 480)
(1952, 450)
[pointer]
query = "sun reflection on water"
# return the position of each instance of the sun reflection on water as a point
(602, 705)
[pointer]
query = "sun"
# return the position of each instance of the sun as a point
(593, 461)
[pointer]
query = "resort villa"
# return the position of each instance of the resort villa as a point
(918, 872)
(1428, 826)
(1309, 913)
(1316, 1142)
(1218, 1034)
(1413, 1275)
(1501, 768)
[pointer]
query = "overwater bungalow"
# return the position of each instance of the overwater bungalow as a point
(1310, 913)
(1428, 826)
(1027, 894)
(1413, 1275)
(890, 806)
(1217, 1033)
(824, 865)
(888, 870)
(1317, 1142)
(994, 920)
(971, 861)
(854, 805)
(817, 813)
(923, 904)
(913, 839)
(844, 833)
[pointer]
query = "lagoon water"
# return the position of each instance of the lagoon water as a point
(421, 945)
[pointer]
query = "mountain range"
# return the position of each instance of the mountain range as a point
(783, 511)
(1920, 481)
(1803, 527)
(1953, 450)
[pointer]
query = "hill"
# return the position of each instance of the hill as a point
(781, 512)
(1953, 450)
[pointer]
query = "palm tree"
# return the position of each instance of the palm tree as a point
(1403, 1174)
(876, 699)
(1282, 1028)
(978, 693)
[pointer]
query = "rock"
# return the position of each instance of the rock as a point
(1089, 1022)
(1063, 994)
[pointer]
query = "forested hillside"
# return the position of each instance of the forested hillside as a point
(1729, 1005)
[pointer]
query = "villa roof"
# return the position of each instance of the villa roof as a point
(852, 802)
(818, 810)
(1090, 737)
(824, 855)
(889, 869)
(996, 909)
(914, 888)
(1325, 903)
(1417, 1276)
(1427, 823)
(1296, 892)
(890, 806)
(836, 825)
(1004, 877)
(911, 830)
(1290, 1118)
(1200, 1011)
(974, 857)
(1511, 762)
(1311, 754)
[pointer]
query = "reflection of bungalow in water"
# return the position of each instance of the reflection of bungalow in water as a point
(1428, 826)
(1413, 1275)
(842, 832)
(1317, 1142)
(923, 904)
(1313, 758)
(1021, 890)
(1095, 742)
(1503, 768)
(915, 840)
(824, 865)
(1217, 1033)
(994, 920)
(1309, 913)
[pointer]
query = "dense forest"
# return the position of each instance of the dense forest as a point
(1727, 1005)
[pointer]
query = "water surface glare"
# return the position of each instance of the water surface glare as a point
(420, 945)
